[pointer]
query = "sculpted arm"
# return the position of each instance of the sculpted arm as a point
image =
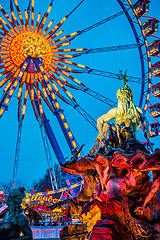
(154, 188)
(144, 210)
(105, 118)
(22, 223)
(144, 121)
(130, 181)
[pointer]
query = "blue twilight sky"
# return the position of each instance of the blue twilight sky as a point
(32, 161)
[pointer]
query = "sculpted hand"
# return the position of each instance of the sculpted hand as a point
(139, 211)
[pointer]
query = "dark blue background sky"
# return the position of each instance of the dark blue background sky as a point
(32, 162)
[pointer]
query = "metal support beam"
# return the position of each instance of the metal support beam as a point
(57, 110)
(48, 155)
(16, 160)
(106, 49)
(53, 141)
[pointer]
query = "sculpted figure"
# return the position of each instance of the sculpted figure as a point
(125, 109)
(144, 211)
(127, 131)
(15, 223)
(87, 193)
(113, 206)
(81, 167)
(104, 148)
(74, 156)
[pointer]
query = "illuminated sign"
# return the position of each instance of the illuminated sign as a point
(37, 198)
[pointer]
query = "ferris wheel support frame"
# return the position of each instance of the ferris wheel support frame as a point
(16, 160)
(52, 139)
(58, 111)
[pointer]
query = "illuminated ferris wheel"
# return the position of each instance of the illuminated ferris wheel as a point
(38, 59)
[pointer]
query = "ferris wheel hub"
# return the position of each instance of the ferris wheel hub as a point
(34, 45)
(30, 44)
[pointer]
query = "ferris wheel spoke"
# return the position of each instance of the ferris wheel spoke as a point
(50, 91)
(10, 88)
(78, 33)
(47, 28)
(7, 33)
(25, 101)
(8, 19)
(55, 29)
(37, 22)
(7, 97)
(19, 96)
(98, 96)
(82, 51)
(44, 18)
(85, 89)
(12, 13)
(6, 79)
(105, 49)
(14, 19)
(29, 9)
(2, 27)
(107, 74)
(53, 83)
(65, 71)
(61, 84)
(70, 63)
(30, 13)
(65, 83)
(33, 102)
(32, 17)
(10, 28)
(5, 36)
(63, 38)
(12, 81)
(84, 114)
(46, 101)
(27, 21)
(39, 98)
(20, 15)
(60, 96)
(19, 109)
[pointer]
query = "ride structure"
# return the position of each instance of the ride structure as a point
(38, 58)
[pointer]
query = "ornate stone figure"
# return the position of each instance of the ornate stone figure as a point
(82, 167)
(120, 202)
(74, 156)
(125, 109)
(121, 184)
(15, 223)
(112, 203)
(145, 211)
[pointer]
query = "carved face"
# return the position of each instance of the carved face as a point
(125, 93)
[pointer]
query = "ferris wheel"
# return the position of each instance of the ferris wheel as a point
(52, 67)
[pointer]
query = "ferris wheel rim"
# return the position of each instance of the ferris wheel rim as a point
(145, 42)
